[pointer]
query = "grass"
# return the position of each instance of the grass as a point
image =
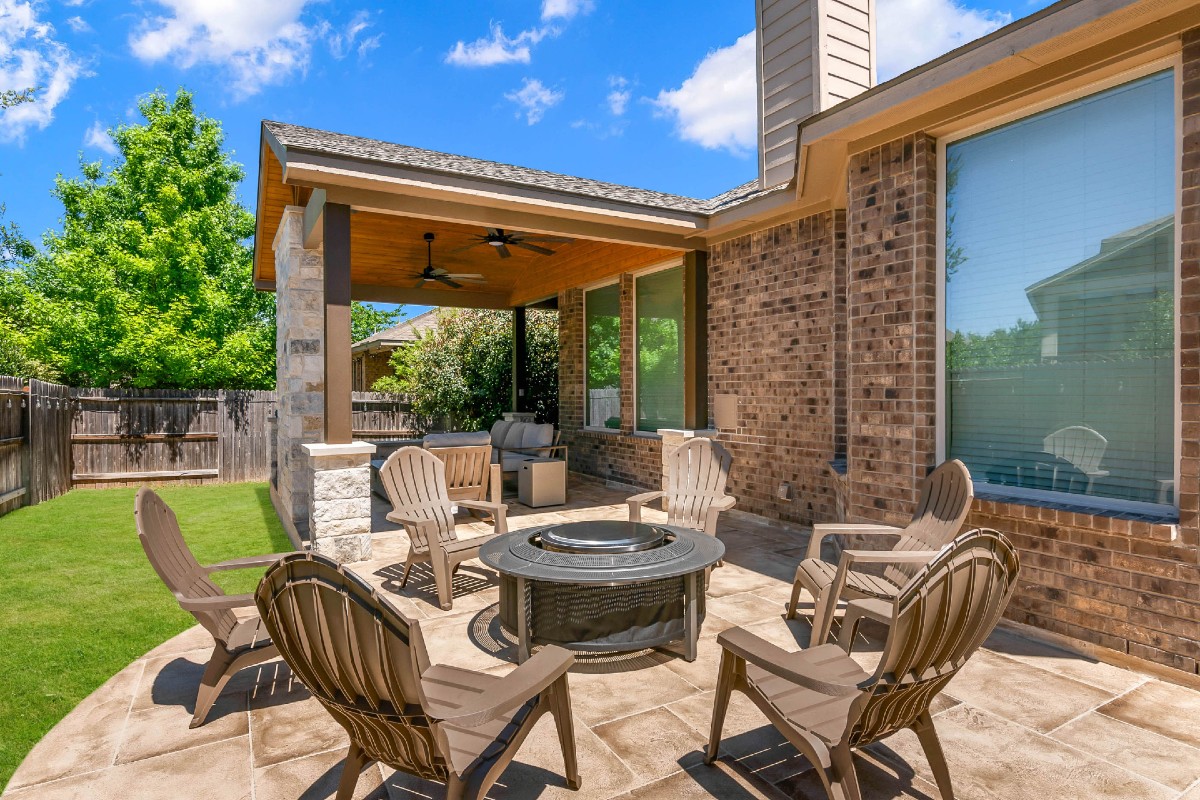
(79, 601)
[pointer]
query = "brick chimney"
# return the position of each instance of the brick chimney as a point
(812, 54)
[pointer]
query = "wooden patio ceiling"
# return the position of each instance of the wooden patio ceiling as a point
(388, 250)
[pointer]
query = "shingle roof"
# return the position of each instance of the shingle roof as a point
(314, 140)
(408, 331)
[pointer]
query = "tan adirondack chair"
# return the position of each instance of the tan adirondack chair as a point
(470, 473)
(827, 705)
(368, 666)
(415, 482)
(696, 475)
(942, 508)
(236, 644)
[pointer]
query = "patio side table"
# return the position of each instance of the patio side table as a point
(542, 482)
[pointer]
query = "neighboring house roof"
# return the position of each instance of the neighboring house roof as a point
(406, 332)
(1112, 248)
(313, 140)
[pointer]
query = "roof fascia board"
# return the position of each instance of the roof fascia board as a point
(515, 218)
(260, 205)
(750, 213)
(317, 169)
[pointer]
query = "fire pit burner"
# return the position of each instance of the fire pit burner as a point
(604, 536)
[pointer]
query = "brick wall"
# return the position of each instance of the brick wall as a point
(370, 367)
(772, 315)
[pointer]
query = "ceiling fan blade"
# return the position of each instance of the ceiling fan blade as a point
(448, 282)
(496, 232)
(563, 239)
(419, 284)
(543, 250)
(438, 271)
(503, 251)
(468, 247)
(464, 275)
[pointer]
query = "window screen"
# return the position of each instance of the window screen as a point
(602, 334)
(1060, 275)
(659, 305)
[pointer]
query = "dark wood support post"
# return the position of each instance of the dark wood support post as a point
(520, 370)
(695, 345)
(338, 428)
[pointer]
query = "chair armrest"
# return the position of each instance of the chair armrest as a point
(499, 512)
(636, 502)
(541, 451)
(823, 529)
(771, 658)
(264, 560)
(518, 687)
(724, 504)
(217, 603)
(888, 556)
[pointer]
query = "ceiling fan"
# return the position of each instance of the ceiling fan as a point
(454, 280)
(502, 240)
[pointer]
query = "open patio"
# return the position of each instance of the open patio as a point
(1024, 719)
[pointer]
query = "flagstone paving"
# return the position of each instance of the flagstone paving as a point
(1022, 719)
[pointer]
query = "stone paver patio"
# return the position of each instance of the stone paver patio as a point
(1022, 720)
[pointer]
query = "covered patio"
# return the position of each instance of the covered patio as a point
(1064, 725)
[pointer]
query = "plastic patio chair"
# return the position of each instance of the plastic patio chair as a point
(1082, 446)
(415, 482)
(827, 705)
(470, 473)
(941, 510)
(696, 475)
(236, 643)
(368, 667)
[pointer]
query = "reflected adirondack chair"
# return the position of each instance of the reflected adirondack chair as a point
(827, 705)
(415, 482)
(697, 472)
(1080, 445)
(236, 643)
(367, 665)
(943, 506)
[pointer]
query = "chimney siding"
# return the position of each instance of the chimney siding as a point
(812, 54)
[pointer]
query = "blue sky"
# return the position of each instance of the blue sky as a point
(657, 95)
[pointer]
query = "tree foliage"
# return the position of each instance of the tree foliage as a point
(461, 370)
(366, 319)
(15, 97)
(148, 283)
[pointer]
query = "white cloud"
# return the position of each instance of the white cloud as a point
(350, 39)
(904, 43)
(78, 24)
(717, 107)
(496, 48)
(258, 43)
(618, 96)
(97, 137)
(533, 99)
(565, 9)
(30, 56)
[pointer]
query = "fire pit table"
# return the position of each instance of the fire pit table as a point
(602, 586)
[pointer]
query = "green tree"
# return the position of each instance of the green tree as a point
(1018, 345)
(148, 283)
(366, 319)
(15, 253)
(15, 97)
(461, 370)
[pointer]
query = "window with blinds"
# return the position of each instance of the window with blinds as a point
(658, 302)
(1060, 282)
(602, 342)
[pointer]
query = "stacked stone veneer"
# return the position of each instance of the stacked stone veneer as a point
(339, 515)
(299, 366)
(825, 328)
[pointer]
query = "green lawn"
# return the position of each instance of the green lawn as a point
(79, 600)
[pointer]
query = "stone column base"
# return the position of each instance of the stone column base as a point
(339, 512)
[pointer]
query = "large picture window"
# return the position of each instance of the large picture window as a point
(602, 341)
(1059, 302)
(658, 302)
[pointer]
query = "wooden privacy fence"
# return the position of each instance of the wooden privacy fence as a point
(53, 437)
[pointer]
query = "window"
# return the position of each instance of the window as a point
(658, 301)
(602, 341)
(1059, 302)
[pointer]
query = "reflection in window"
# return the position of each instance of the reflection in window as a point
(602, 335)
(659, 305)
(1059, 262)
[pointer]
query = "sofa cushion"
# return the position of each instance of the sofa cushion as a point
(512, 439)
(499, 429)
(457, 439)
(537, 436)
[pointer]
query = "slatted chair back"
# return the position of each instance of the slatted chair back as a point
(1080, 445)
(696, 475)
(359, 657)
(942, 509)
(158, 530)
(415, 482)
(943, 615)
(467, 470)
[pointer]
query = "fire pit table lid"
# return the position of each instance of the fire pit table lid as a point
(602, 536)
